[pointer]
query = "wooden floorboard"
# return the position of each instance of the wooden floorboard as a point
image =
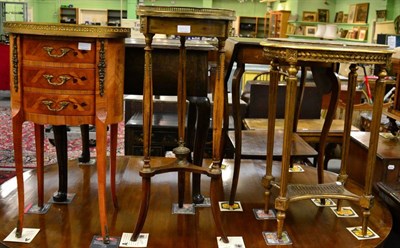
(74, 225)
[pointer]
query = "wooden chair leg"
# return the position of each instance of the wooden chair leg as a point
(267, 183)
(215, 208)
(101, 144)
(113, 161)
(201, 113)
(236, 168)
(85, 155)
(39, 138)
(181, 188)
(237, 120)
(280, 216)
(60, 138)
(17, 140)
(144, 207)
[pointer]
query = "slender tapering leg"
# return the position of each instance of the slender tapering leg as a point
(218, 115)
(282, 202)
(17, 140)
(201, 131)
(367, 200)
(351, 88)
(215, 208)
(60, 138)
(181, 188)
(181, 115)
(144, 207)
(101, 144)
(147, 126)
(39, 138)
(237, 121)
(85, 155)
(326, 75)
(272, 99)
(113, 161)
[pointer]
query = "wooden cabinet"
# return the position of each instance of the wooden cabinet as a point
(69, 15)
(278, 22)
(387, 169)
(251, 27)
(65, 74)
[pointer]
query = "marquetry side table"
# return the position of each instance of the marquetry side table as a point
(321, 55)
(65, 74)
(183, 22)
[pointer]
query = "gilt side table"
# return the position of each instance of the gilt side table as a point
(321, 55)
(64, 74)
(183, 22)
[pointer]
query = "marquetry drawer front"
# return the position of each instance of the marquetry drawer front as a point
(51, 104)
(60, 51)
(59, 78)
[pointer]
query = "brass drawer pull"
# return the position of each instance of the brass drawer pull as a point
(49, 51)
(61, 79)
(48, 104)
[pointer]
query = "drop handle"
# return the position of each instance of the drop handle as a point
(63, 51)
(49, 103)
(61, 79)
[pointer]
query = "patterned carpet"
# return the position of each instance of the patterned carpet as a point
(28, 144)
(5, 175)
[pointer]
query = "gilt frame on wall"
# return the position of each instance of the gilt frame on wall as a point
(323, 15)
(361, 13)
(309, 16)
(352, 12)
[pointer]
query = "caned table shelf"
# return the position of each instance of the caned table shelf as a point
(321, 56)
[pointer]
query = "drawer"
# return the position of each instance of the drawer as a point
(59, 50)
(391, 171)
(52, 104)
(59, 78)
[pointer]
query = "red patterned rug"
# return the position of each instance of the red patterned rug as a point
(28, 144)
(5, 175)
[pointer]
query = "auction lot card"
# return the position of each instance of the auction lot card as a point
(328, 202)
(272, 239)
(234, 242)
(235, 207)
(357, 232)
(296, 168)
(345, 212)
(260, 214)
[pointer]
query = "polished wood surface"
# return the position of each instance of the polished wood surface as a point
(309, 130)
(73, 225)
(254, 145)
(87, 90)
